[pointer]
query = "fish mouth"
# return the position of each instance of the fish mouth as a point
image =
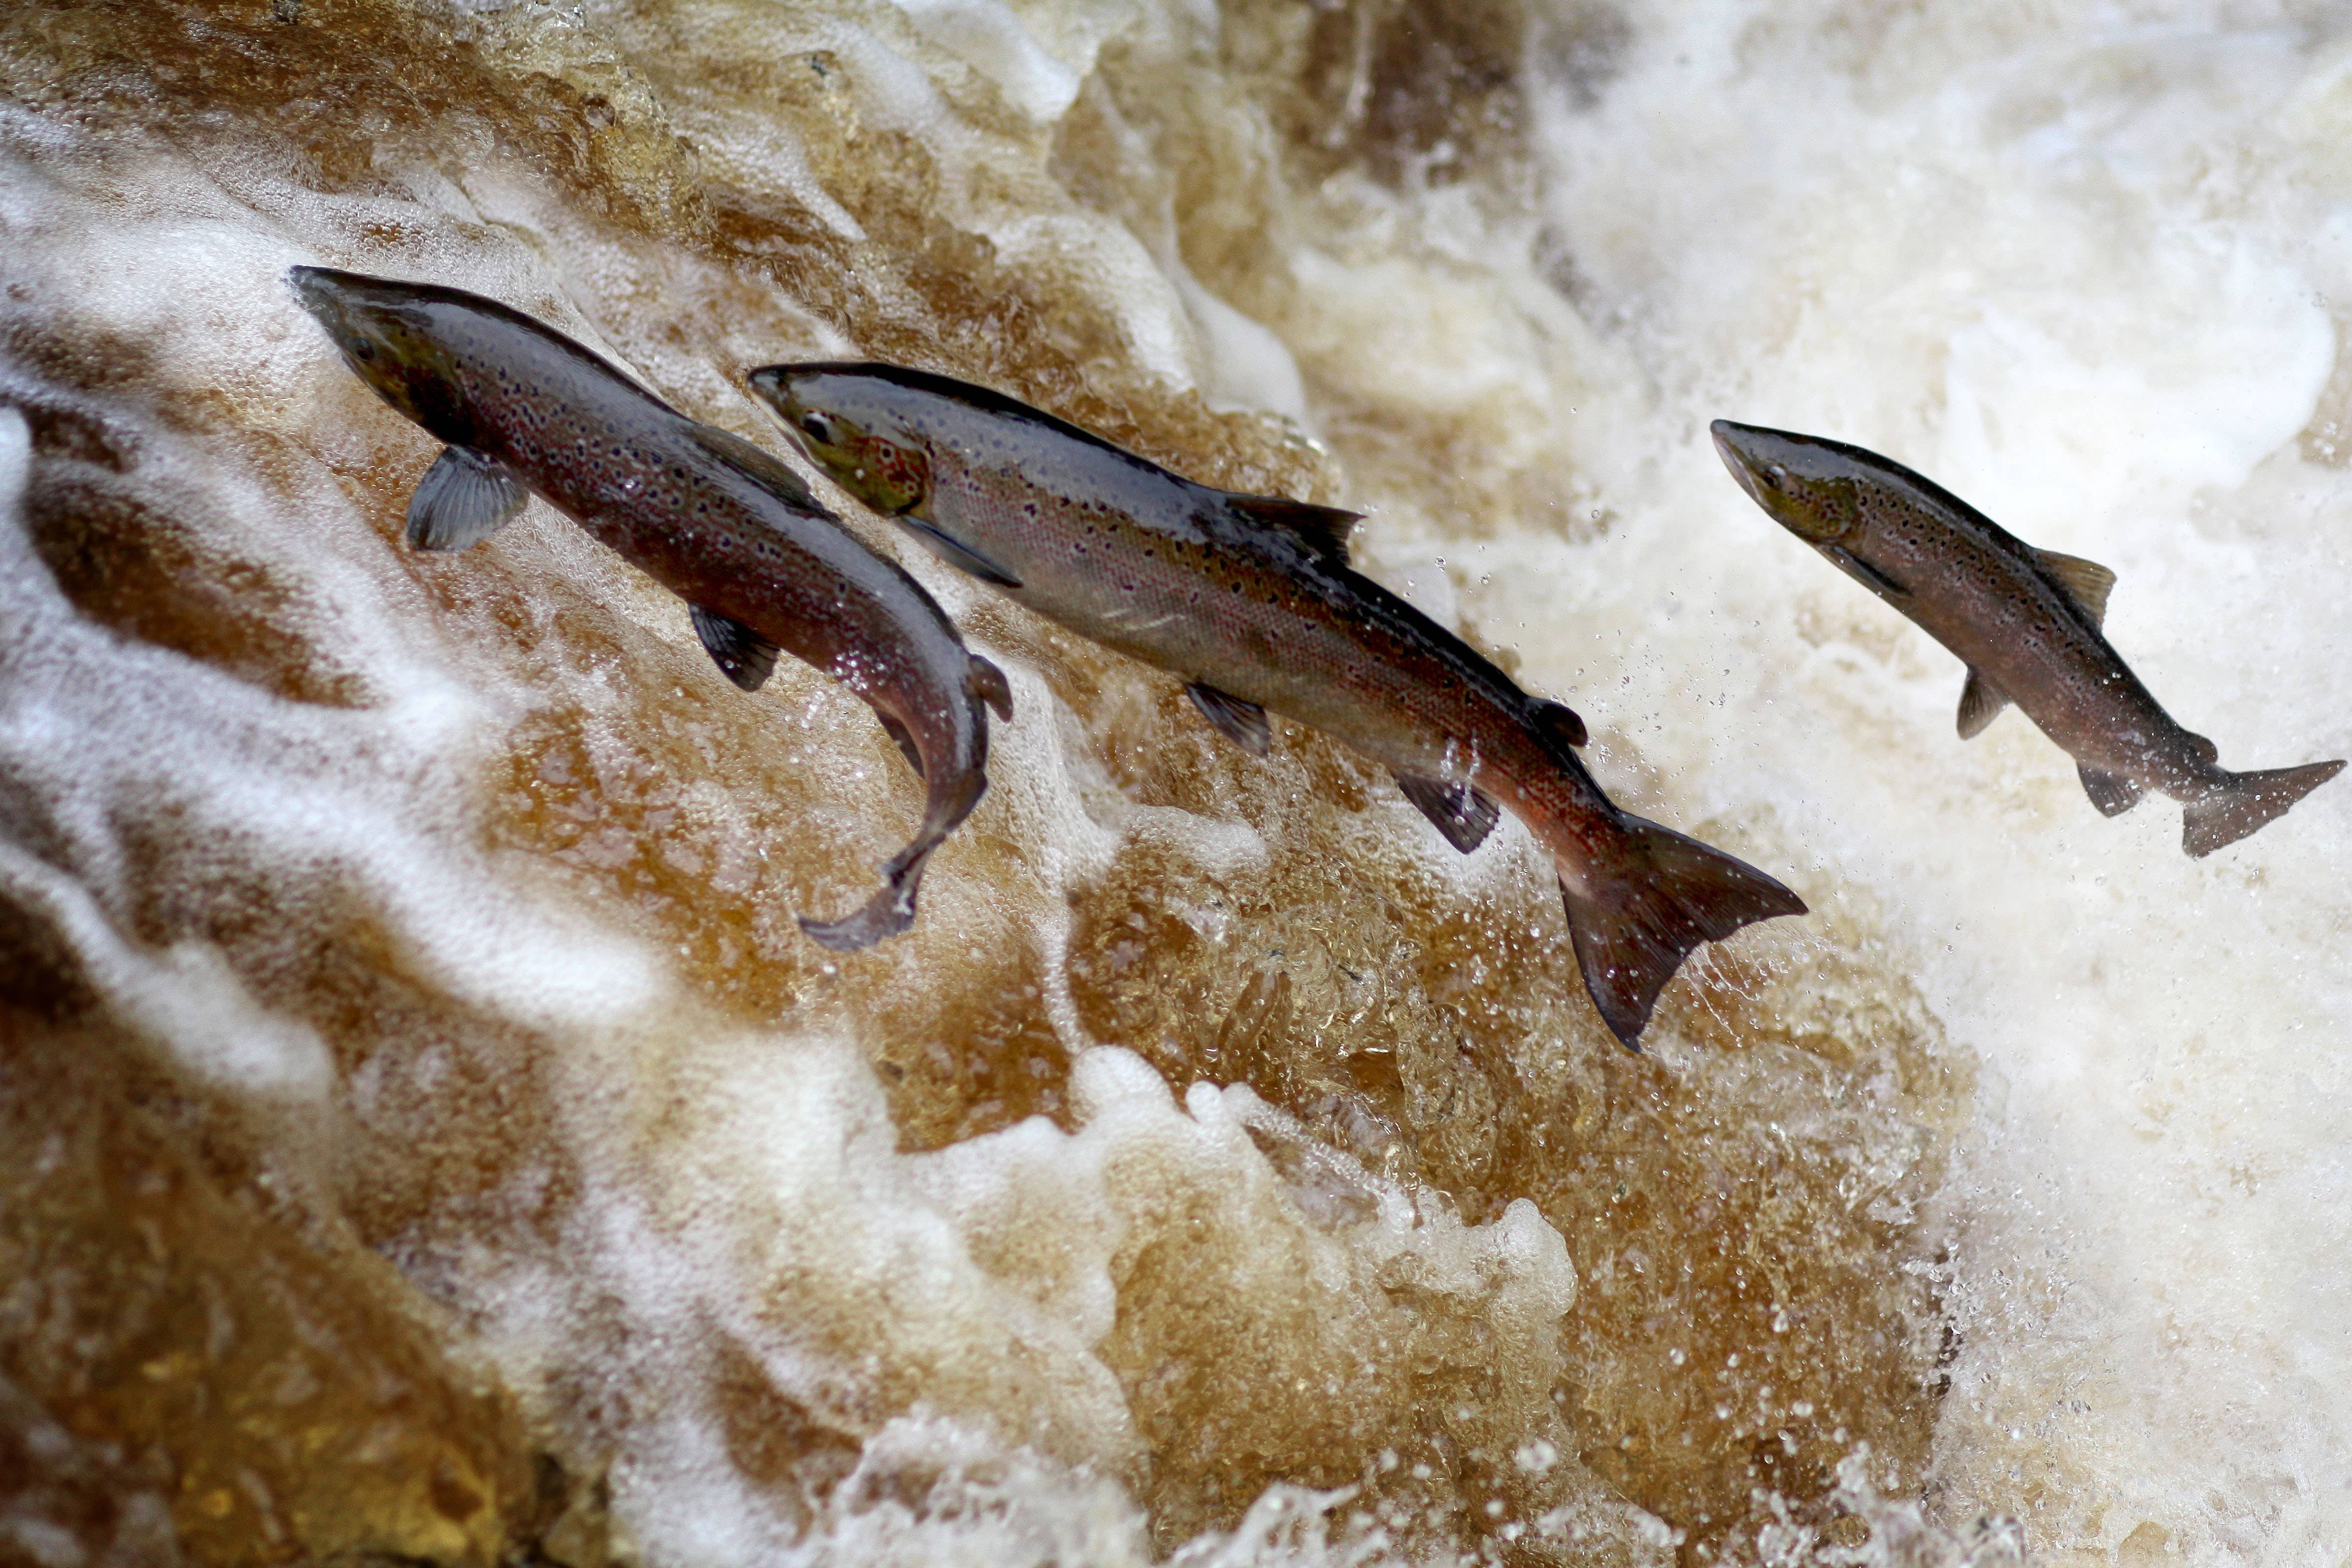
(780, 385)
(330, 295)
(1745, 471)
(318, 291)
(773, 382)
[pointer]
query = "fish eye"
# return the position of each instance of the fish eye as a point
(363, 349)
(1778, 474)
(819, 428)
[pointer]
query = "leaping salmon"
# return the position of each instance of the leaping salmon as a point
(1250, 600)
(2026, 622)
(763, 566)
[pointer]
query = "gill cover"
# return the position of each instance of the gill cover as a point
(1804, 483)
(888, 471)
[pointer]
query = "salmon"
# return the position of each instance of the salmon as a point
(2026, 622)
(763, 566)
(1250, 600)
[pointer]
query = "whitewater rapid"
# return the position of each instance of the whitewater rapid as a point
(1224, 1167)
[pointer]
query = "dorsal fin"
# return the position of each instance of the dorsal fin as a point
(1558, 721)
(1322, 529)
(2085, 581)
(770, 470)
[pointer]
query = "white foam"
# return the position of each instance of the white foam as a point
(2034, 271)
(988, 36)
(2089, 273)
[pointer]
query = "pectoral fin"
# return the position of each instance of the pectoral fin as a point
(1980, 703)
(1242, 724)
(742, 655)
(1456, 810)
(463, 498)
(2085, 581)
(1867, 571)
(2112, 793)
(957, 555)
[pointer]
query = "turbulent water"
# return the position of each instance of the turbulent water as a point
(424, 1134)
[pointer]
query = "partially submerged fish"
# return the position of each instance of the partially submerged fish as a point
(722, 524)
(2025, 621)
(1250, 600)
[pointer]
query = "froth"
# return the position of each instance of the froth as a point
(1223, 1171)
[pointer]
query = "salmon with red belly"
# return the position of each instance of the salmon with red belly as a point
(1251, 601)
(764, 568)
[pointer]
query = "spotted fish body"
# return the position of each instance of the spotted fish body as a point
(724, 525)
(1251, 601)
(2026, 622)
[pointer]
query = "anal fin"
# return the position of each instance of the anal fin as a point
(1242, 724)
(1459, 812)
(988, 684)
(2113, 793)
(463, 498)
(742, 655)
(1980, 703)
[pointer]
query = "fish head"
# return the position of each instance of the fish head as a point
(849, 423)
(1807, 486)
(384, 330)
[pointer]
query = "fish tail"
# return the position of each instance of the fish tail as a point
(1668, 894)
(889, 912)
(892, 909)
(2243, 802)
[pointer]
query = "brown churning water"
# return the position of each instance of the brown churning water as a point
(1251, 600)
(762, 567)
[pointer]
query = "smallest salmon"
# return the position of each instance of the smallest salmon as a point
(2025, 621)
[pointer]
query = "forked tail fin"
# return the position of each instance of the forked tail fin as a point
(886, 913)
(953, 785)
(1662, 896)
(2246, 802)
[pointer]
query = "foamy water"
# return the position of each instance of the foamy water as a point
(1224, 1167)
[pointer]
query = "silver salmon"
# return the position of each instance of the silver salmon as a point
(1250, 600)
(763, 566)
(2026, 622)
